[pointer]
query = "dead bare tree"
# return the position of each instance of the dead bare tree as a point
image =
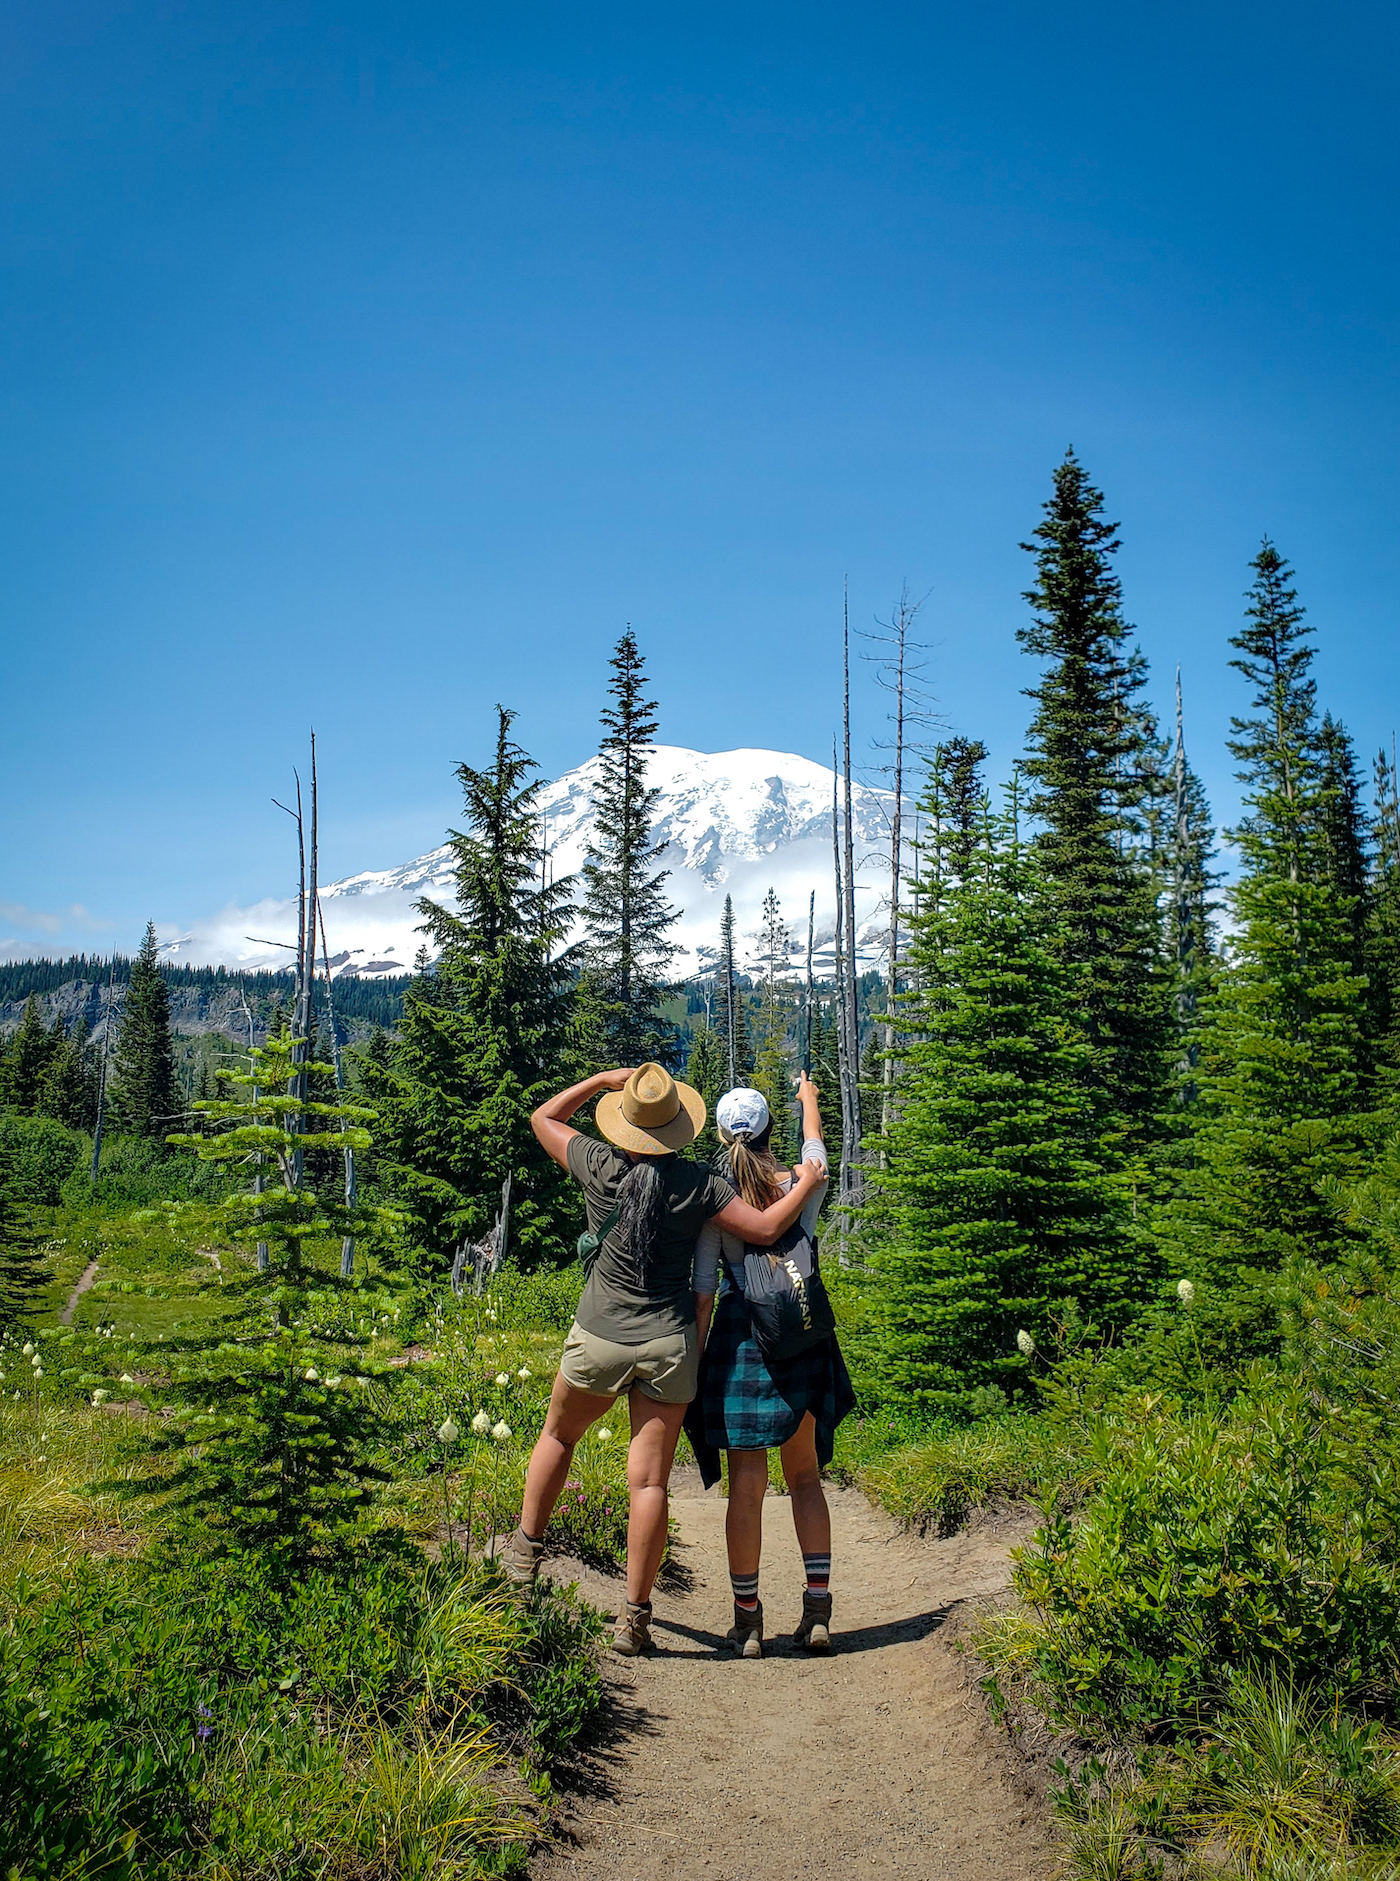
(900, 664)
(852, 1175)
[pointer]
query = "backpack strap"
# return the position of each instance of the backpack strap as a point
(589, 1244)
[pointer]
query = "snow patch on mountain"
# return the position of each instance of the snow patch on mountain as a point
(728, 823)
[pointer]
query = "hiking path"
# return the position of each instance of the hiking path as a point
(877, 1761)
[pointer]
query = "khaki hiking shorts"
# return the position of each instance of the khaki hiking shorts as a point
(666, 1369)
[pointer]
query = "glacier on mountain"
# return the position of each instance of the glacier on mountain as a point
(727, 823)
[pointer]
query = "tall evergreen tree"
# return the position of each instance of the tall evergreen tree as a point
(1087, 741)
(28, 1060)
(993, 1211)
(482, 1033)
(144, 1092)
(24, 1273)
(706, 1070)
(731, 1018)
(1346, 828)
(626, 915)
(1383, 921)
(1284, 1055)
(772, 1066)
(65, 1092)
(1186, 853)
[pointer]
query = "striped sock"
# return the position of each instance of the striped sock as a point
(818, 1571)
(745, 1591)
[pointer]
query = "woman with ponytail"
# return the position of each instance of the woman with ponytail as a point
(642, 1320)
(750, 1404)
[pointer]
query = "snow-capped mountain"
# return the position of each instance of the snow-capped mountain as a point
(731, 823)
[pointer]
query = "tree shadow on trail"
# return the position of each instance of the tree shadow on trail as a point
(591, 1767)
(778, 1645)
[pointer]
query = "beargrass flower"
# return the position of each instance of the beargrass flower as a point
(334, 1380)
(36, 1361)
(447, 1431)
(1025, 1344)
(524, 1373)
(362, 1381)
(127, 1379)
(312, 1375)
(502, 1378)
(28, 1350)
(38, 1371)
(501, 1432)
(605, 1435)
(100, 1397)
(1185, 1292)
(481, 1423)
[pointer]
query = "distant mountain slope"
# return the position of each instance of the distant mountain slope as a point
(732, 822)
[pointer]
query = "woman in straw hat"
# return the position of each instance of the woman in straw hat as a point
(641, 1322)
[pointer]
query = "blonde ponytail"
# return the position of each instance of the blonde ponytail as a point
(753, 1169)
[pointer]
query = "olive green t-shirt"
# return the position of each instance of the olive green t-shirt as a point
(614, 1305)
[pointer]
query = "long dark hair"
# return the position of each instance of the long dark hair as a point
(641, 1210)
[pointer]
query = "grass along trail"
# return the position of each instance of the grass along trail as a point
(874, 1761)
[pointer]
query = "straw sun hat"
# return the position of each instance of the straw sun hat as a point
(651, 1114)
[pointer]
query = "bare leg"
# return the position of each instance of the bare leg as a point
(570, 1413)
(743, 1521)
(655, 1428)
(810, 1515)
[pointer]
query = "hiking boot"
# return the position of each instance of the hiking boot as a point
(521, 1559)
(814, 1633)
(746, 1634)
(632, 1631)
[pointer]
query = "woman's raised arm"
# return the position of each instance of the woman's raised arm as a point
(550, 1122)
(760, 1227)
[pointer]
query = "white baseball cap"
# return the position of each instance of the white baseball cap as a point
(742, 1113)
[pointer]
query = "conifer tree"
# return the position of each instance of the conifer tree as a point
(24, 1273)
(992, 1212)
(626, 915)
(1383, 922)
(27, 1063)
(65, 1092)
(483, 1030)
(772, 1067)
(1284, 1054)
(144, 1093)
(1087, 741)
(1186, 853)
(706, 1070)
(1346, 829)
(731, 1019)
(270, 1445)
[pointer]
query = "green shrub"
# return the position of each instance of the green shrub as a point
(41, 1155)
(216, 1717)
(1264, 1535)
(933, 1485)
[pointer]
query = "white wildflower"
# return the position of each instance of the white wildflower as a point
(335, 1380)
(1185, 1292)
(502, 1378)
(127, 1379)
(524, 1373)
(501, 1432)
(447, 1431)
(1025, 1344)
(362, 1381)
(605, 1435)
(312, 1375)
(481, 1423)
(100, 1397)
(28, 1350)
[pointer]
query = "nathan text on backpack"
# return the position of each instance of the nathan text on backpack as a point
(787, 1300)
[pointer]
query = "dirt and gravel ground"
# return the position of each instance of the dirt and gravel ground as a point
(876, 1761)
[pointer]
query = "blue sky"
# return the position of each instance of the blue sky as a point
(367, 365)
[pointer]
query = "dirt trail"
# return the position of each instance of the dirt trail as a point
(872, 1762)
(85, 1280)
